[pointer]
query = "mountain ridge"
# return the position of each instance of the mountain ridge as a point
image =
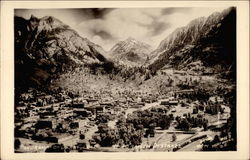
(130, 52)
(49, 46)
(203, 39)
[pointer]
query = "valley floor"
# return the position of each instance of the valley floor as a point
(177, 118)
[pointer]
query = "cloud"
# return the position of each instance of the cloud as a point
(171, 10)
(103, 34)
(117, 25)
(156, 27)
(107, 26)
(159, 27)
(93, 13)
(149, 25)
(70, 16)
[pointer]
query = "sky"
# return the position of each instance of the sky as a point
(107, 26)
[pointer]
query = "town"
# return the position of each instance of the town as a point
(123, 121)
(125, 79)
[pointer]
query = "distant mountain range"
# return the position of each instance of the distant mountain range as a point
(46, 47)
(131, 52)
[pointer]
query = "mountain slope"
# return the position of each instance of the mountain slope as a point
(209, 42)
(130, 52)
(46, 47)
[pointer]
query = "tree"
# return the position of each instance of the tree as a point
(129, 135)
(195, 110)
(103, 118)
(182, 104)
(151, 130)
(108, 136)
(174, 137)
(68, 149)
(164, 122)
(136, 138)
(216, 139)
(184, 125)
(102, 128)
(55, 148)
(17, 143)
(81, 146)
(82, 136)
(205, 126)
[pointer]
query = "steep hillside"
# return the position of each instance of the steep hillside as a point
(45, 47)
(208, 42)
(130, 52)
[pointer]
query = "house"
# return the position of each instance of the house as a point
(173, 110)
(141, 103)
(81, 112)
(26, 96)
(80, 100)
(92, 101)
(117, 109)
(74, 125)
(47, 114)
(82, 145)
(99, 109)
(63, 113)
(185, 91)
(137, 106)
(173, 102)
(164, 102)
(42, 124)
(139, 99)
(82, 123)
(122, 100)
(78, 105)
(91, 109)
(19, 108)
(58, 138)
(67, 101)
(106, 104)
(216, 99)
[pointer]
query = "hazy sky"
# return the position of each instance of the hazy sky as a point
(107, 26)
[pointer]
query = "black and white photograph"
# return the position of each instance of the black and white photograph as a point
(114, 79)
(125, 79)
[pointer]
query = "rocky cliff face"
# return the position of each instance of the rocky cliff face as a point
(46, 46)
(130, 52)
(210, 42)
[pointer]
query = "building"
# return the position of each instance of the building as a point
(92, 101)
(173, 102)
(99, 109)
(81, 112)
(64, 113)
(164, 102)
(43, 124)
(78, 105)
(169, 102)
(216, 99)
(137, 106)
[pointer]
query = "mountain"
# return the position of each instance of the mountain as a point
(45, 47)
(208, 42)
(130, 52)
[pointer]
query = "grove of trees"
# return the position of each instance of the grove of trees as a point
(187, 122)
(131, 130)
